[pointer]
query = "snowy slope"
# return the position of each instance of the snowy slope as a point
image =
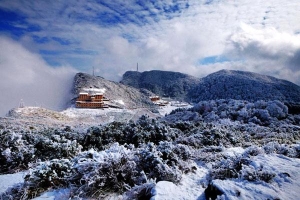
(286, 184)
(241, 85)
(8, 180)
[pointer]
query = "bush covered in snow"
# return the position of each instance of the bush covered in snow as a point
(117, 169)
(143, 131)
(260, 112)
(19, 149)
(112, 170)
(241, 167)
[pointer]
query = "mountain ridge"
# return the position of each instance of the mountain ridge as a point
(163, 83)
(243, 85)
(223, 84)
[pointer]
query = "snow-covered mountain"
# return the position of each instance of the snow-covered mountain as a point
(241, 85)
(224, 84)
(163, 83)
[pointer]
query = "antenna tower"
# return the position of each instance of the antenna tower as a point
(21, 104)
(137, 67)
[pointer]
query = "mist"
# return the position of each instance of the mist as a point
(26, 77)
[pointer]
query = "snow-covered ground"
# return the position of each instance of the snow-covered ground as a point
(8, 180)
(285, 185)
(173, 105)
(191, 186)
(79, 112)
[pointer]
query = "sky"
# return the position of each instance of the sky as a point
(44, 43)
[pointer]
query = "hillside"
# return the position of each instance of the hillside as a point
(240, 85)
(163, 83)
(116, 92)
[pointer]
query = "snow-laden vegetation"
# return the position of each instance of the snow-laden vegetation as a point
(135, 159)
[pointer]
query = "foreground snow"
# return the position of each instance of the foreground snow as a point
(190, 187)
(8, 180)
(285, 185)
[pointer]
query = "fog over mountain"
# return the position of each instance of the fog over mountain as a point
(26, 77)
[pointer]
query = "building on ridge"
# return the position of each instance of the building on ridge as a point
(91, 98)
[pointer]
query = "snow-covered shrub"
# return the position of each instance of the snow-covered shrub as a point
(194, 140)
(46, 148)
(92, 174)
(249, 173)
(19, 149)
(263, 115)
(227, 168)
(284, 149)
(112, 170)
(50, 174)
(241, 167)
(184, 126)
(271, 147)
(266, 176)
(213, 137)
(139, 192)
(208, 134)
(277, 109)
(143, 131)
(208, 154)
(260, 104)
(253, 151)
(297, 151)
(260, 112)
(16, 153)
(176, 155)
(152, 163)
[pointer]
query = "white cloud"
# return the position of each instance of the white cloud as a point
(266, 43)
(268, 51)
(26, 76)
(167, 40)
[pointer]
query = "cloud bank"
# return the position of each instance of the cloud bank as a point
(267, 50)
(25, 76)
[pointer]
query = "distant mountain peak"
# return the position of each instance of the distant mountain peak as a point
(243, 85)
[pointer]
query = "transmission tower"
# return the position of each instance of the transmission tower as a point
(21, 104)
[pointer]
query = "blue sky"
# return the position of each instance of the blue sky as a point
(196, 37)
